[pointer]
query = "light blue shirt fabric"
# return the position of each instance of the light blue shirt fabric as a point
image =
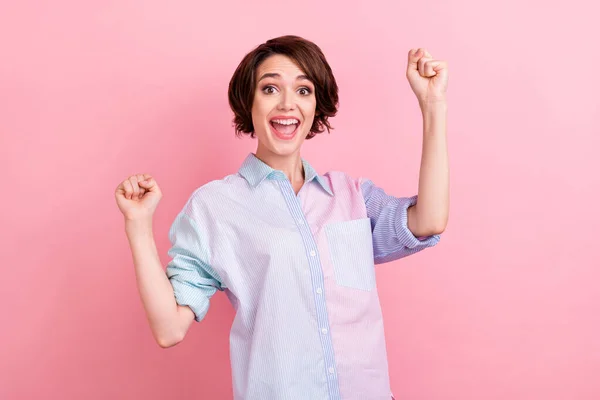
(299, 272)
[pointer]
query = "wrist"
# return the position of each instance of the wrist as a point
(434, 106)
(433, 100)
(135, 225)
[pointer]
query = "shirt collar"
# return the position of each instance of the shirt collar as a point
(255, 171)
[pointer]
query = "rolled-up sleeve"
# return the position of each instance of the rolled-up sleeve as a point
(389, 223)
(193, 279)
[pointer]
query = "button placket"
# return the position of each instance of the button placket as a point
(316, 272)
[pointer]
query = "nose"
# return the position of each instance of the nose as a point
(287, 101)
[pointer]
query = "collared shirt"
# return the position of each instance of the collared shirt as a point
(299, 270)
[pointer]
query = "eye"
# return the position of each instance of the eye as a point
(268, 89)
(305, 91)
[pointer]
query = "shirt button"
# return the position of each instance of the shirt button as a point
(319, 290)
(324, 330)
(300, 222)
(331, 370)
(313, 253)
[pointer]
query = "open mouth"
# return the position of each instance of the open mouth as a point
(285, 128)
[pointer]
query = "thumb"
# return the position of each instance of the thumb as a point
(147, 183)
(413, 59)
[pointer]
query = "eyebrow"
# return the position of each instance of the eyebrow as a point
(275, 75)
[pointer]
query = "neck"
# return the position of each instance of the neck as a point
(290, 165)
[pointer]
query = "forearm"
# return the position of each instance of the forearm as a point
(430, 214)
(153, 284)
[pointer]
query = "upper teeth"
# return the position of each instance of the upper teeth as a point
(286, 121)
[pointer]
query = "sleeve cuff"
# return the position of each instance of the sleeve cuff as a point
(191, 297)
(404, 234)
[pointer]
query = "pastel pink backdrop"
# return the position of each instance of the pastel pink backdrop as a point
(507, 306)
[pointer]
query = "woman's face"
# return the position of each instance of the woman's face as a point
(284, 106)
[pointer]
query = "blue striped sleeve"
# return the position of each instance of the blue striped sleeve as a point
(389, 223)
(193, 279)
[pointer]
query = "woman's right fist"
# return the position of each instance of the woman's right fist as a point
(138, 196)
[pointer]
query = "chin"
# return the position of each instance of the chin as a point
(284, 149)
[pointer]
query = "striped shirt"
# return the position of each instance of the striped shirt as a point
(299, 271)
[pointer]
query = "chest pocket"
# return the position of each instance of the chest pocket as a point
(351, 251)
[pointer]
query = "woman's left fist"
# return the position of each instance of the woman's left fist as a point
(427, 77)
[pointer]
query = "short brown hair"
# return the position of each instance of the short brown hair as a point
(309, 58)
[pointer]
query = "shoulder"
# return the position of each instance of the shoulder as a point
(211, 193)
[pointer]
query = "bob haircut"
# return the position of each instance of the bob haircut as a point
(309, 58)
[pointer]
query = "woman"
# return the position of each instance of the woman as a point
(293, 250)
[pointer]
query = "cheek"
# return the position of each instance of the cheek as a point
(309, 109)
(257, 111)
(261, 107)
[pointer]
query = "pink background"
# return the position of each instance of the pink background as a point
(507, 306)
